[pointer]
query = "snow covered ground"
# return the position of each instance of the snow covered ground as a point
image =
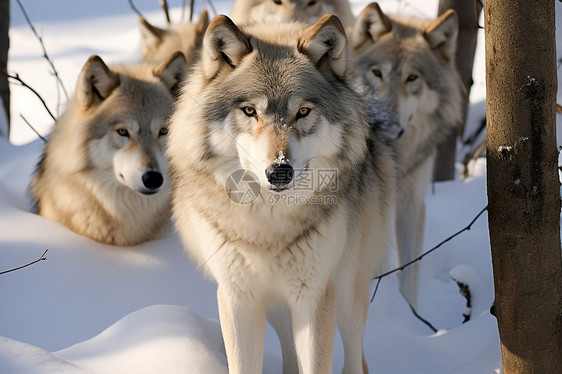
(93, 308)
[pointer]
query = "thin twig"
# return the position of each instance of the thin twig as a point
(379, 277)
(164, 5)
(56, 74)
(17, 78)
(472, 137)
(33, 128)
(426, 322)
(134, 8)
(42, 258)
(191, 6)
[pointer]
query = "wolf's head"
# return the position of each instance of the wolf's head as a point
(409, 61)
(309, 11)
(122, 113)
(157, 44)
(270, 99)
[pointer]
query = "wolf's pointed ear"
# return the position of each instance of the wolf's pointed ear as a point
(202, 25)
(172, 72)
(371, 24)
(223, 45)
(441, 35)
(325, 43)
(95, 83)
(151, 37)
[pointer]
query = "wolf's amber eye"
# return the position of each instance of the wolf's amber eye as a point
(278, 2)
(377, 73)
(249, 111)
(123, 132)
(163, 131)
(303, 112)
(411, 78)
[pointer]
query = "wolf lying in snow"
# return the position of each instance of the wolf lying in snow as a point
(103, 172)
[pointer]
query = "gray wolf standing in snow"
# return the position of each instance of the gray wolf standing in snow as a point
(411, 61)
(308, 11)
(103, 173)
(281, 191)
(158, 44)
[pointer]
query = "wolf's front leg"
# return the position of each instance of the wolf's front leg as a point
(352, 294)
(279, 316)
(243, 328)
(410, 229)
(314, 325)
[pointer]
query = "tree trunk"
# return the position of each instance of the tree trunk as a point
(468, 12)
(4, 45)
(523, 185)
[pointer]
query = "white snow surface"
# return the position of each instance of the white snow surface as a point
(94, 308)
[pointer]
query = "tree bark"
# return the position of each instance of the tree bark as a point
(4, 45)
(523, 184)
(468, 12)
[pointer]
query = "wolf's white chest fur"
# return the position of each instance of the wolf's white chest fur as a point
(255, 254)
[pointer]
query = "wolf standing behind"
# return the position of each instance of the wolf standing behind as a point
(411, 61)
(308, 11)
(103, 173)
(158, 44)
(273, 103)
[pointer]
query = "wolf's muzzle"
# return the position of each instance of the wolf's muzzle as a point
(279, 174)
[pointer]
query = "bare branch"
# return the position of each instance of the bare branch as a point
(426, 322)
(134, 8)
(33, 128)
(59, 81)
(472, 137)
(42, 258)
(164, 5)
(18, 79)
(379, 277)
(191, 6)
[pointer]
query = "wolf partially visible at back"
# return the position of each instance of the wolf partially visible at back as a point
(411, 62)
(308, 11)
(157, 43)
(103, 173)
(281, 191)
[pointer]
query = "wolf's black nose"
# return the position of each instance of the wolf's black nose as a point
(279, 174)
(152, 180)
